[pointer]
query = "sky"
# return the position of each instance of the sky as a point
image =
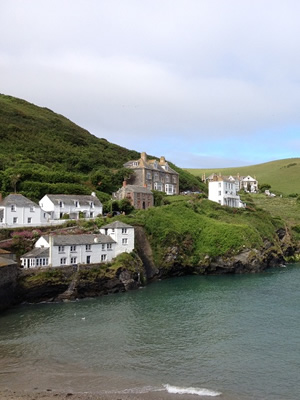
(205, 83)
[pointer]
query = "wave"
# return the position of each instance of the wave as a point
(191, 390)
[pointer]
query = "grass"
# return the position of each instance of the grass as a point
(282, 175)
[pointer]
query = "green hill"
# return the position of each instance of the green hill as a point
(43, 152)
(282, 175)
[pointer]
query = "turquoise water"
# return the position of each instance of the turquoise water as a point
(228, 337)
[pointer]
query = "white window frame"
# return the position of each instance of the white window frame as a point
(73, 248)
(15, 220)
(61, 249)
(124, 241)
(73, 260)
(88, 247)
(103, 257)
(63, 261)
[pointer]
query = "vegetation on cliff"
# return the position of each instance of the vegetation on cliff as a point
(43, 152)
(282, 175)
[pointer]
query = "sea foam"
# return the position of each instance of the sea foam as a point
(191, 390)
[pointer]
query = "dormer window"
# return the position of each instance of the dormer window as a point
(92, 204)
(31, 208)
(13, 207)
(61, 204)
(135, 164)
(76, 202)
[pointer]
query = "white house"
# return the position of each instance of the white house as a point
(249, 184)
(223, 191)
(58, 205)
(16, 211)
(123, 234)
(60, 250)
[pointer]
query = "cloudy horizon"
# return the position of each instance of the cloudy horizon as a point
(205, 83)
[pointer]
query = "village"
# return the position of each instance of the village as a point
(55, 250)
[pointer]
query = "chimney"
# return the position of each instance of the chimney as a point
(93, 194)
(144, 156)
(162, 160)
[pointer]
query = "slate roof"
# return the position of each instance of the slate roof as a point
(115, 225)
(69, 240)
(6, 261)
(17, 199)
(37, 252)
(149, 164)
(69, 199)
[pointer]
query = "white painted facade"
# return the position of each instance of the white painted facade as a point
(123, 234)
(18, 211)
(249, 182)
(73, 205)
(224, 192)
(61, 250)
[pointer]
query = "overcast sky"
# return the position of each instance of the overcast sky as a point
(206, 83)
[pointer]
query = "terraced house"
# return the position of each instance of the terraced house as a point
(60, 250)
(153, 174)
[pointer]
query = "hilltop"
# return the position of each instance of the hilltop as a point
(44, 152)
(282, 175)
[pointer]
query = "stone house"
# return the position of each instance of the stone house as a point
(58, 205)
(140, 197)
(153, 174)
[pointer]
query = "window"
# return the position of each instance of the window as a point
(88, 259)
(29, 220)
(135, 164)
(91, 215)
(103, 257)
(73, 248)
(92, 204)
(124, 231)
(61, 249)
(219, 192)
(63, 261)
(113, 230)
(149, 175)
(167, 178)
(158, 186)
(13, 207)
(77, 203)
(109, 246)
(156, 176)
(15, 220)
(174, 179)
(219, 184)
(73, 260)
(61, 204)
(124, 241)
(103, 246)
(31, 208)
(88, 247)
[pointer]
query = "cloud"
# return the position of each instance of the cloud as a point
(171, 73)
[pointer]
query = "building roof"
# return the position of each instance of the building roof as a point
(136, 189)
(18, 200)
(69, 240)
(37, 252)
(116, 225)
(4, 262)
(69, 199)
(143, 162)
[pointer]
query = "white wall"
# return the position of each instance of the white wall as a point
(125, 240)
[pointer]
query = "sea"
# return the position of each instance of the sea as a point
(230, 337)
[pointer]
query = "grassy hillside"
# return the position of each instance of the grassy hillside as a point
(282, 175)
(43, 152)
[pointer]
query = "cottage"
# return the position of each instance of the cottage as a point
(153, 174)
(123, 234)
(16, 211)
(61, 250)
(58, 205)
(140, 197)
(223, 191)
